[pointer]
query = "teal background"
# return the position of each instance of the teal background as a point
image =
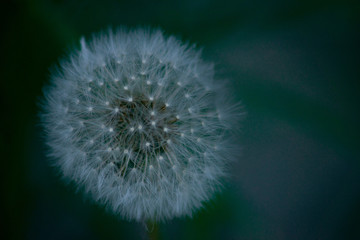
(293, 64)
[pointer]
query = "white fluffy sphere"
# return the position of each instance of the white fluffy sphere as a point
(137, 120)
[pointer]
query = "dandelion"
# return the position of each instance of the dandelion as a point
(137, 121)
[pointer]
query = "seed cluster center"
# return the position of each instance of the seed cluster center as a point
(146, 126)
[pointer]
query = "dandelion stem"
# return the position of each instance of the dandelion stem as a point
(152, 230)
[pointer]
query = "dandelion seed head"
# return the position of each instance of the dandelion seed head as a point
(122, 139)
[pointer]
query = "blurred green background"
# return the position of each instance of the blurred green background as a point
(293, 64)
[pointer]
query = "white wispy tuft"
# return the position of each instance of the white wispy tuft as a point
(136, 120)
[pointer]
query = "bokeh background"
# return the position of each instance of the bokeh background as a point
(293, 64)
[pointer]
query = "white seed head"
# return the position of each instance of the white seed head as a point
(144, 162)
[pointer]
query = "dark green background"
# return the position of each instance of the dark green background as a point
(293, 64)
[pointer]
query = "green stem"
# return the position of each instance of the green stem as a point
(152, 230)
